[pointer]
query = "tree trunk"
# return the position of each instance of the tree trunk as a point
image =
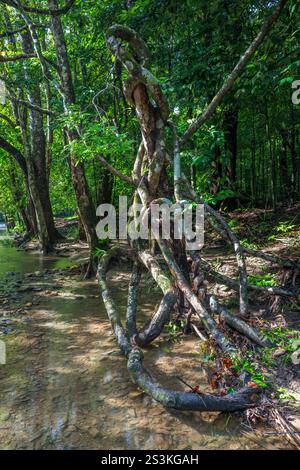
(230, 126)
(84, 200)
(35, 155)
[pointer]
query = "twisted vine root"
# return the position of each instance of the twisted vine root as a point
(136, 64)
(163, 313)
(246, 397)
(205, 317)
(149, 177)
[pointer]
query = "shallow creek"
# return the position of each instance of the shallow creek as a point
(65, 384)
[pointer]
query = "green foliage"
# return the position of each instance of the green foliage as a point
(73, 232)
(98, 253)
(97, 138)
(101, 249)
(253, 368)
(284, 228)
(261, 363)
(248, 243)
(173, 328)
(207, 352)
(285, 396)
(285, 339)
(267, 280)
(6, 242)
(233, 224)
(18, 228)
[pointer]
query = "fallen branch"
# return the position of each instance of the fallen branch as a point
(244, 398)
(286, 428)
(198, 332)
(236, 323)
(227, 281)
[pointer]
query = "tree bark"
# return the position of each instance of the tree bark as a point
(35, 155)
(83, 197)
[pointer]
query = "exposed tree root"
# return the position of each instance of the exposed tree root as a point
(163, 313)
(132, 301)
(208, 322)
(244, 398)
(110, 306)
(236, 323)
(150, 180)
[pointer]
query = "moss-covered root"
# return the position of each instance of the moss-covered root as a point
(240, 400)
(162, 315)
(112, 311)
(132, 301)
(207, 320)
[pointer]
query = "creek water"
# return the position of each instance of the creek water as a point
(65, 384)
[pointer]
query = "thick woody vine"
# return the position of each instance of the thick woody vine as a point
(179, 276)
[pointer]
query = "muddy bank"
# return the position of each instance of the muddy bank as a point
(65, 384)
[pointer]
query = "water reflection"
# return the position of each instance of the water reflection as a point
(12, 260)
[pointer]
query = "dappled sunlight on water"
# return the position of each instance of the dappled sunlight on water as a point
(15, 261)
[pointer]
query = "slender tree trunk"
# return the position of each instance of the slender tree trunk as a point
(283, 165)
(294, 156)
(272, 161)
(253, 162)
(105, 187)
(230, 126)
(35, 155)
(83, 197)
(217, 171)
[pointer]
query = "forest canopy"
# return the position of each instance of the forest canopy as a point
(246, 153)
